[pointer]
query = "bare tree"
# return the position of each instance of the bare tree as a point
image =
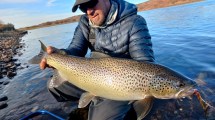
(1, 22)
(1, 25)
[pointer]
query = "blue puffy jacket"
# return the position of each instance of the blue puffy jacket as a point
(127, 36)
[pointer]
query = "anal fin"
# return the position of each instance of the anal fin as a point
(85, 99)
(142, 107)
(55, 80)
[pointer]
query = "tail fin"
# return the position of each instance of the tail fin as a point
(37, 59)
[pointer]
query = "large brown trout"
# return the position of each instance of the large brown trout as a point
(119, 79)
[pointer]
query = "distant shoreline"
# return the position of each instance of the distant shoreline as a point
(149, 5)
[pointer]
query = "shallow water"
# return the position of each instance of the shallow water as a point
(183, 39)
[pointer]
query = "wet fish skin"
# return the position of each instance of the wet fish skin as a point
(120, 79)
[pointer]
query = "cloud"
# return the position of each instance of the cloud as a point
(17, 1)
(8, 13)
(11, 15)
(51, 3)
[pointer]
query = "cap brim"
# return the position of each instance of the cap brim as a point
(77, 3)
(74, 8)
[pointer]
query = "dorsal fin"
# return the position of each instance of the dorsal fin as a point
(37, 59)
(43, 47)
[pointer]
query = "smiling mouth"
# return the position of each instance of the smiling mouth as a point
(95, 16)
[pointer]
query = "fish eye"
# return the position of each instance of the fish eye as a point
(181, 84)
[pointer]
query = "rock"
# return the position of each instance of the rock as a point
(4, 71)
(1, 82)
(9, 65)
(34, 109)
(13, 68)
(11, 74)
(3, 98)
(24, 32)
(1, 76)
(7, 59)
(20, 67)
(17, 64)
(14, 60)
(5, 82)
(20, 46)
(19, 54)
(3, 105)
(2, 65)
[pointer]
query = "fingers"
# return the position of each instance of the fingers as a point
(50, 49)
(43, 64)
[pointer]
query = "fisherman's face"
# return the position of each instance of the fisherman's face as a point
(96, 10)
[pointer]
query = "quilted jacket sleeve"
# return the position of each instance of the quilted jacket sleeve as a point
(79, 44)
(140, 45)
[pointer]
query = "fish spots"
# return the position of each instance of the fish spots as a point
(120, 76)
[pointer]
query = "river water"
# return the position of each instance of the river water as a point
(183, 39)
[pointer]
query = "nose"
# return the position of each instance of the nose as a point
(90, 11)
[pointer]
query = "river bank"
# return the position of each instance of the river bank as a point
(9, 47)
(148, 5)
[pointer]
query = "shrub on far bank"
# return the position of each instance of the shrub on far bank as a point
(6, 27)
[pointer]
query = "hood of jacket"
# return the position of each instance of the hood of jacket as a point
(125, 9)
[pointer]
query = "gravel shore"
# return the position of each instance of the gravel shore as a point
(9, 47)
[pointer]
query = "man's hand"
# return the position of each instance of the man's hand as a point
(50, 50)
(43, 63)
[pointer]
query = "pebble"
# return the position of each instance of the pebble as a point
(17, 64)
(11, 74)
(3, 98)
(9, 65)
(34, 109)
(1, 76)
(3, 105)
(1, 82)
(13, 67)
(5, 82)
(4, 71)
(14, 60)
(175, 112)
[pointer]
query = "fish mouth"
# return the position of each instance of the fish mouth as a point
(188, 91)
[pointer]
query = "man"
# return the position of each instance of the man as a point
(111, 27)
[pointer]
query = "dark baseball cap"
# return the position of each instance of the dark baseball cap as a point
(77, 3)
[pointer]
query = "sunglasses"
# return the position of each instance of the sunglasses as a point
(90, 4)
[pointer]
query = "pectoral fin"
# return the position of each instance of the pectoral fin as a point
(56, 80)
(142, 107)
(85, 99)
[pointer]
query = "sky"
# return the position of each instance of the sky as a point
(23, 13)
